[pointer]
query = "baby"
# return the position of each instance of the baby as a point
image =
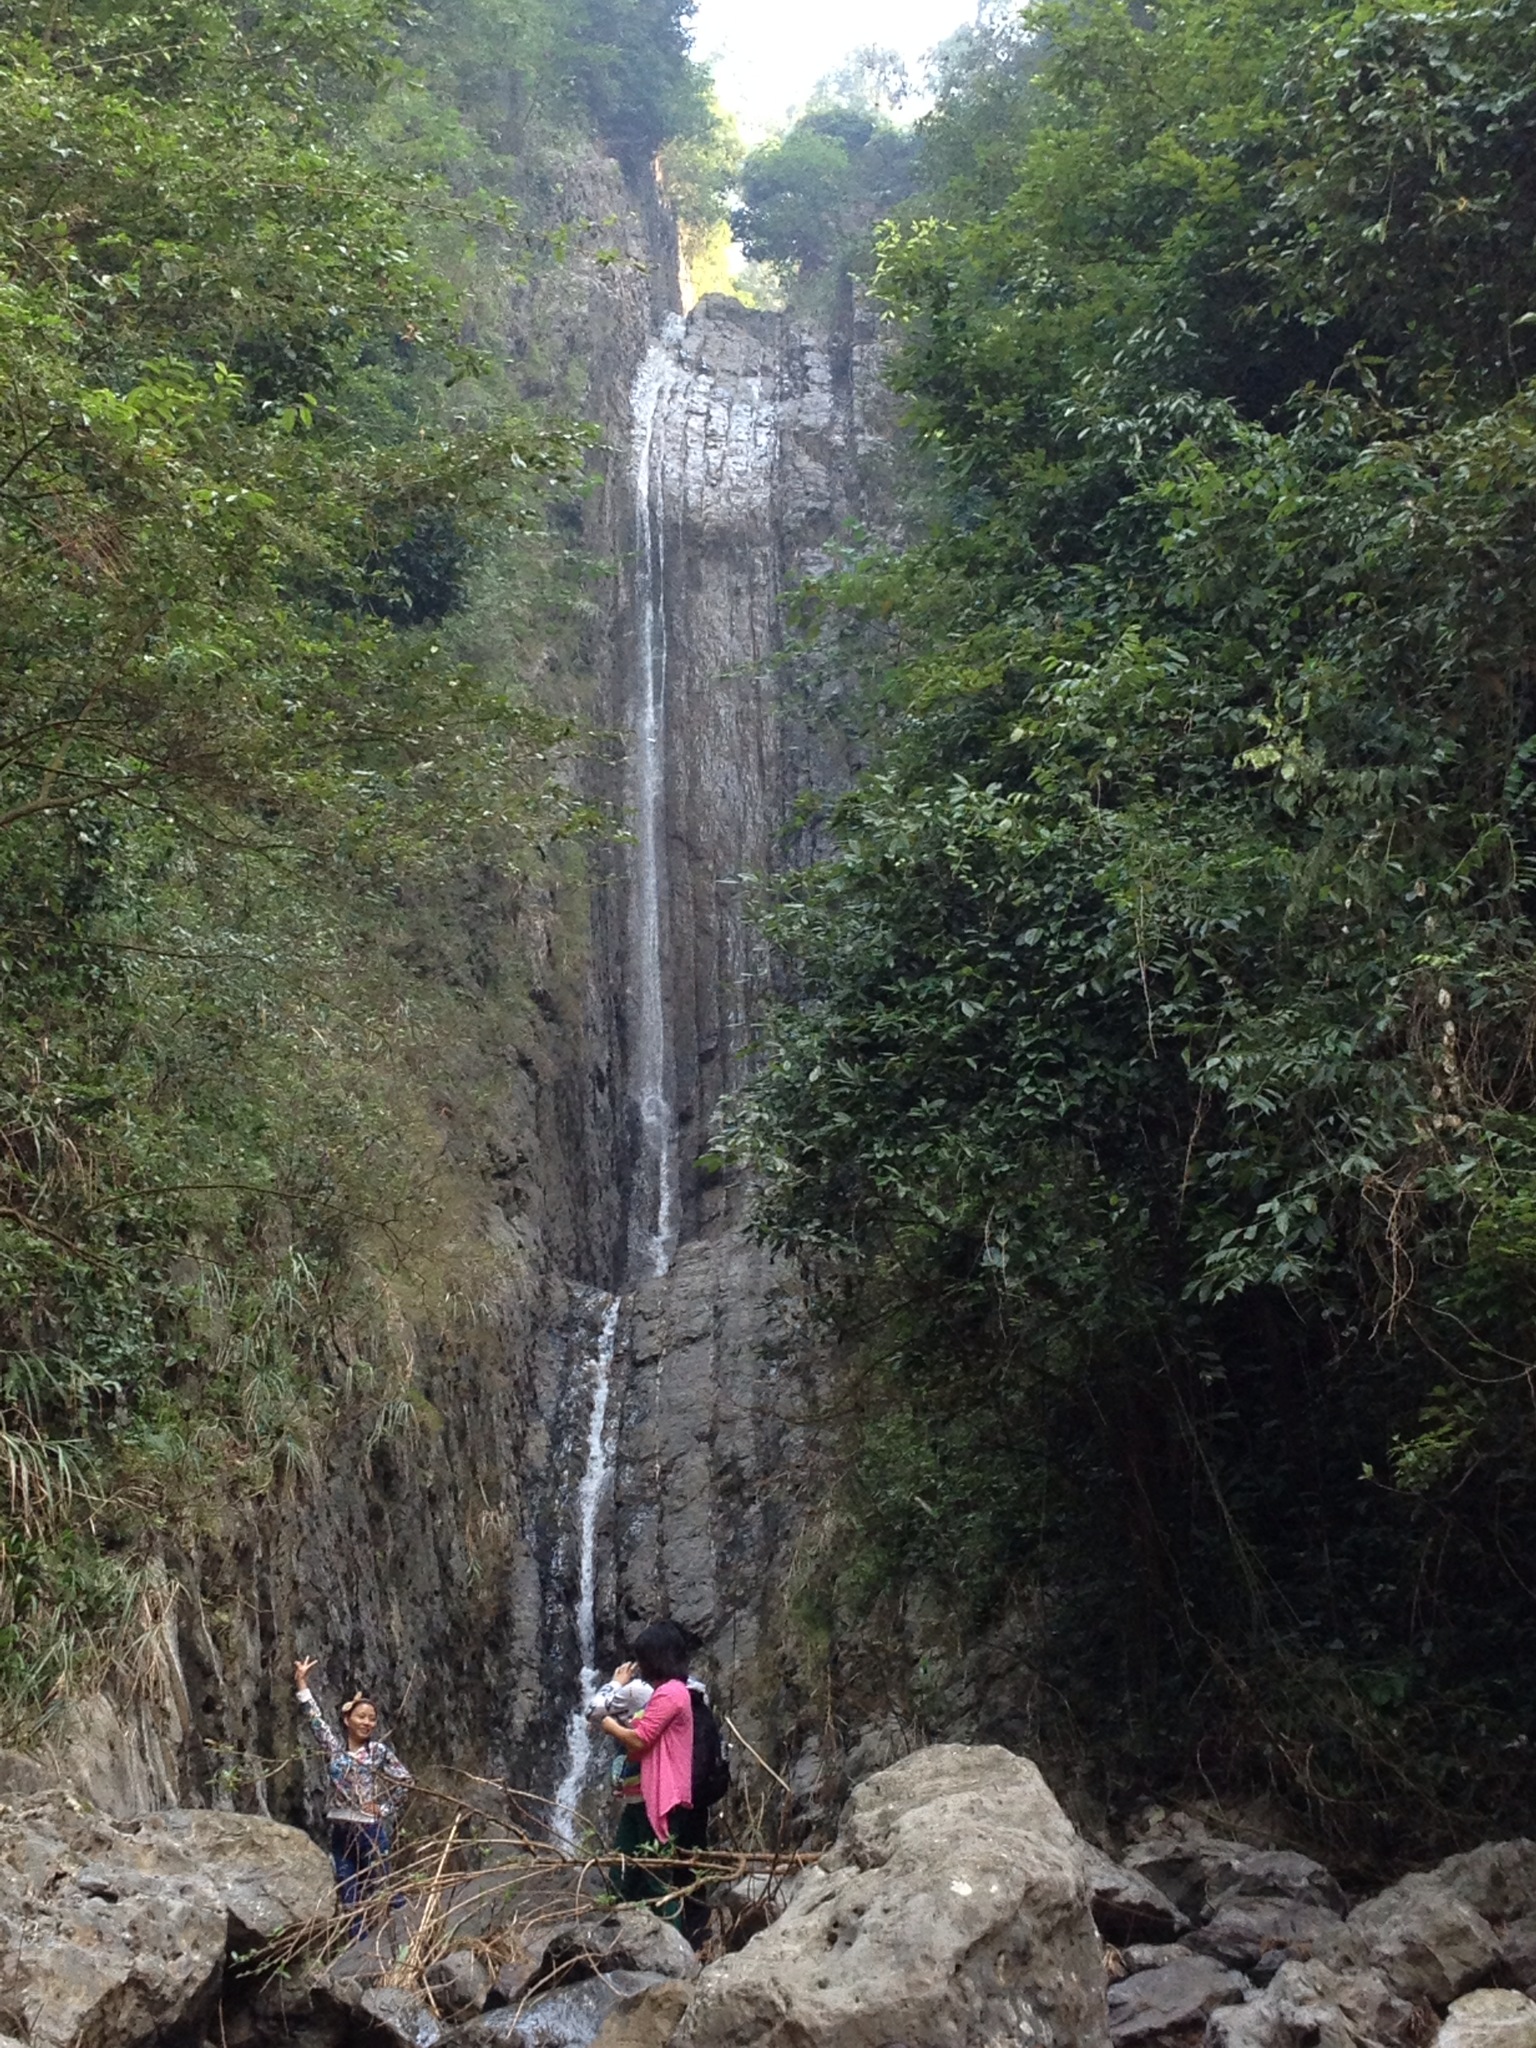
(624, 1696)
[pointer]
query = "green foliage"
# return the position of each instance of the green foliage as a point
(272, 535)
(1161, 1082)
(811, 196)
(699, 171)
(633, 69)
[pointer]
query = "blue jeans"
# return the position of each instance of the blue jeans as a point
(360, 1857)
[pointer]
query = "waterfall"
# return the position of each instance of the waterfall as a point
(703, 460)
(594, 1480)
(653, 1207)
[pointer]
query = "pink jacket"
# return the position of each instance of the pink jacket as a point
(666, 1761)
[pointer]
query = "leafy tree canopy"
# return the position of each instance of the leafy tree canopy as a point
(811, 197)
(1161, 1083)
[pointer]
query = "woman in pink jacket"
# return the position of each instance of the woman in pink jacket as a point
(662, 1738)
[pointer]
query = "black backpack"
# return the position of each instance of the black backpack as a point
(711, 1759)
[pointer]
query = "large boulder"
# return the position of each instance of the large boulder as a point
(1442, 1933)
(1489, 2019)
(1310, 2006)
(952, 1911)
(115, 1933)
(267, 1877)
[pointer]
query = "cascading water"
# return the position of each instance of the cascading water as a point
(594, 1480)
(653, 1208)
(704, 452)
(653, 1204)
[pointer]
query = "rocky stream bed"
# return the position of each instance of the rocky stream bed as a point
(957, 1908)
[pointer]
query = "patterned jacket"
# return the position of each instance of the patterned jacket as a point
(368, 1784)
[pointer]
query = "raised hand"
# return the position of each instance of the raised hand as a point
(301, 1669)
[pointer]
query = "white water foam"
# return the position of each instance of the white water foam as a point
(594, 1481)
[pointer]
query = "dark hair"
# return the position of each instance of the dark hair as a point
(661, 1651)
(353, 1702)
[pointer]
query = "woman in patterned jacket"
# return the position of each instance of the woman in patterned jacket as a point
(369, 1785)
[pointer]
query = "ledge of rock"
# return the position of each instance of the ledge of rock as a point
(953, 1909)
(1127, 1907)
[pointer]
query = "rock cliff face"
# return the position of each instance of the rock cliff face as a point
(748, 448)
(446, 1562)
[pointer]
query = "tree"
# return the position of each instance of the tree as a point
(236, 742)
(1160, 1090)
(811, 197)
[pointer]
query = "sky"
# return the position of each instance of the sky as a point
(768, 54)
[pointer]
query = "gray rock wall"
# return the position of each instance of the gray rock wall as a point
(761, 445)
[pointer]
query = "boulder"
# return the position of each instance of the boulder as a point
(648, 2020)
(98, 1953)
(1128, 1907)
(1517, 1951)
(1283, 1874)
(1171, 2004)
(1195, 1869)
(570, 2017)
(953, 1909)
(458, 1984)
(1277, 2026)
(1489, 2019)
(516, 1972)
(21, 1777)
(1246, 1933)
(1152, 1955)
(1496, 1879)
(113, 1933)
(333, 1990)
(387, 2018)
(491, 2030)
(1310, 2006)
(627, 1938)
(267, 1877)
(1427, 1943)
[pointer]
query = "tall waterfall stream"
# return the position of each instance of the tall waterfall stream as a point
(703, 456)
(653, 1207)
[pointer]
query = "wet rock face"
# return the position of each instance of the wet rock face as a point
(710, 1449)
